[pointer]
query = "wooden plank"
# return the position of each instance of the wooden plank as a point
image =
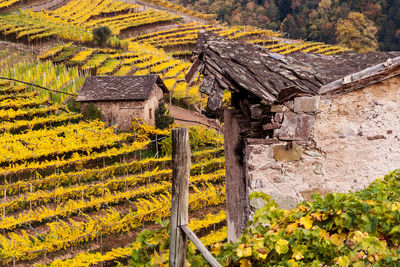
(180, 196)
(193, 70)
(196, 241)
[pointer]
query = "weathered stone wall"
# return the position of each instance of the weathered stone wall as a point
(119, 113)
(328, 144)
(151, 105)
(122, 113)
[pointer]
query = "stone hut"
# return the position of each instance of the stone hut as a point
(300, 123)
(123, 98)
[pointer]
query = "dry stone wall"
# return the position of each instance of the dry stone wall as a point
(119, 113)
(122, 113)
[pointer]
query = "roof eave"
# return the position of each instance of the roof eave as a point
(161, 84)
(368, 76)
(109, 100)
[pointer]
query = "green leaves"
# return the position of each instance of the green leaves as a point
(343, 261)
(369, 223)
(354, 229)
(349, 220)
(243, 251)
(281, 246)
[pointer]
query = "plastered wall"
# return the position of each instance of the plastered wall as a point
(328, 144)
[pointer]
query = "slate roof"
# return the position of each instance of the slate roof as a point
(274, 78)
(119, 88)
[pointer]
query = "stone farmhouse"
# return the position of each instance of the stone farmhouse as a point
(299, 123)
(123, 98)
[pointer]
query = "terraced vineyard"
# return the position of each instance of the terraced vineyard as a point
(141, 59)
(180, 41)
(57, 78)
(145, 49)
(75, 21)
(72, 184)
(76, 192)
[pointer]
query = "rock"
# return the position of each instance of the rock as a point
(289, 105)
(314, 154)
(278, 108)
(287, 153)
(296, 126)
(281, 179)
(306, 104)
(278, 117)
(256, 111)
(272, 166)
(208, 85)
(256, 184)
(308, 193)
(376, 137)
(276, 133)
(257, 203)
(284, 201)
(270, 126)
(303, 143)
(349, 129)
(318, 168)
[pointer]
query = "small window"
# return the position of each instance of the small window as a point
(151, 113)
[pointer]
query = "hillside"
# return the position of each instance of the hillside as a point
(309, 20)
(76, 191)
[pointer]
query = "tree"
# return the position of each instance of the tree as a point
(101, 35)
(272, 13)
(321, 27)
(289, 26)
(163, 120)
(285, 7)
(357, 32)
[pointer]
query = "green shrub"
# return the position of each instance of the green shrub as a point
(163, 120)
(91, 112)
(101, 35)
(354, 229)
(73, 106)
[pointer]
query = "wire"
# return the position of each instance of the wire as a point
(32, 84)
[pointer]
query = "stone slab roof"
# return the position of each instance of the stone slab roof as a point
(274, 78)
(119, 88)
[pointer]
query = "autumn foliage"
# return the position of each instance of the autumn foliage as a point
(307, 19)
(354, 229)
(357, 32)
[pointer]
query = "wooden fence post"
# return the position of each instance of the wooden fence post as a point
(180, 196)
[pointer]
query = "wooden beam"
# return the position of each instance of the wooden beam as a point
(180, 196)
(196, 241)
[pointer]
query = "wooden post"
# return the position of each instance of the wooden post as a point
(4, 207)
(156, 146)
(31, 190)
(180, 196)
